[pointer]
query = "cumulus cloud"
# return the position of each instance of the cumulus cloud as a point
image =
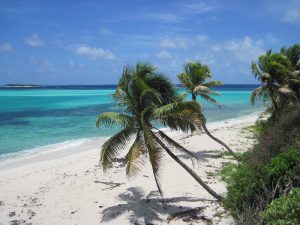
(5, 47)
(164, 55)
(94, 53)
(245, 49)
(34, 41)
(174, 43)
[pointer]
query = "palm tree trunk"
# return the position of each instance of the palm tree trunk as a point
(216, 139)
(194, 97)
(190, 171)
(219, 141)
(271, 94)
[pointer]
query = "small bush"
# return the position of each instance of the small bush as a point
(251, 189)
(242, 185)
(258, 128)
(275, 136)
(285, 170)
(284, 210)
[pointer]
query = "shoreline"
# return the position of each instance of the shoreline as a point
(69, 147)
(69, 187)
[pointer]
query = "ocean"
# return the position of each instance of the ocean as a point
(36, 118)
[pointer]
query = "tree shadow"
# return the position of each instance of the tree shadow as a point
(203, 155)
(145, 208)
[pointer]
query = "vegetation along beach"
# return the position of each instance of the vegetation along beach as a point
(166, 115)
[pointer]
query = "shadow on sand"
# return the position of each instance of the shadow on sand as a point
(145, 209)
(203, 155)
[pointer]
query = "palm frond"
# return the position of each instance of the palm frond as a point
(150, 93)
(255, 69)
(112, 147)
(295, 81)
(143, 68)
(256, 94)
(288, 92)
(111, 119)
(213, 83)
(135, 157)
(155, 155)
(180, 115)
(209, 99)
(200, 88)
(177, 108)
(186, 81)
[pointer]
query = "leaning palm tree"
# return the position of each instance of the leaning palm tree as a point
(144, 98)
(273, 71)
(194, 80)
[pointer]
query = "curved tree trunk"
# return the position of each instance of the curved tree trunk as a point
(190, 171)
(219, 141)
(216, 139)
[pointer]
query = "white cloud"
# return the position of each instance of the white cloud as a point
(34, 41)
(105, 31)
(167, 43)
(162, 17)
(164, 55)
(245, 49)
(44, 66)
(94, 53)
(74, 65)
(292, 15)
(287, 11)
(199, 7)
(175, 43)
(202, 38)
(5, 47)
(271, 38)
(206, 58)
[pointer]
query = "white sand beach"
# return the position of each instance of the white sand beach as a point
(69, 187)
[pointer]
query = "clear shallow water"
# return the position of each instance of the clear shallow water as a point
(31, 118)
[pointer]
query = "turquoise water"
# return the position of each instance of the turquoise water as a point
(31, 118)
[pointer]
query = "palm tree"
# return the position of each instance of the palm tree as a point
(273, 71)
(146, 97)
(194, 80)
(293, 54)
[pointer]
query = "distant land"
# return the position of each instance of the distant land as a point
(21, 85)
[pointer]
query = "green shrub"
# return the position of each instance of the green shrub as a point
(285, 169)
(250, 189)
(275, 136)
(284, 210)
(242, 185)
(258, 128)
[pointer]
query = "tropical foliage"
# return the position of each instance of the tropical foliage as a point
(280, 78)
(194, 79)
(264, 188)
(144, 97)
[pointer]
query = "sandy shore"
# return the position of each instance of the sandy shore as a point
(69, 187)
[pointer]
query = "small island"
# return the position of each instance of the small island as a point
(21, 85)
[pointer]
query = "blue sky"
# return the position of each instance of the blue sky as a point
(89, 42)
